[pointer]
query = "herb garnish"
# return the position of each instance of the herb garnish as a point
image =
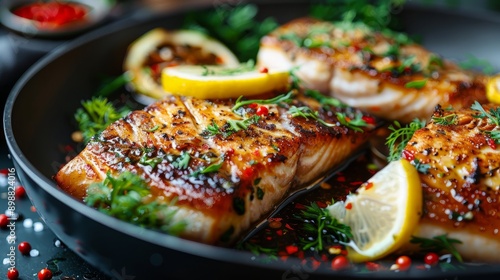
(493, 115)
(354, 124)
(399, 137)
(474, 63)
(421, 167)
(236, 26)
(147, 159)
(209, 169)
(322, 228)
(231, 126)
(97, 114)
(282, 98)
(182, 161)
(127, 198)
(307, 113)
(440, 243)
(450, 119)
(416, 84)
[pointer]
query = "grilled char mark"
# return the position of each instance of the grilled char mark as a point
(462, 185)
(258, 165)
(369, 70)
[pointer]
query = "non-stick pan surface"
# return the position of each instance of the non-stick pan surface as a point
(37, 122)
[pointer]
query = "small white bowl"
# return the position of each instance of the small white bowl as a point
(98, 11)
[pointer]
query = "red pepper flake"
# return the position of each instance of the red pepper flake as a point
(300, 254)
(311, 263)
(262, 111)
(269, 238)
(408, 155)
(348, 206)
(341, 179)
(356, 183)
(291, 249)
(299, 206)
(321, 204)
(368, 185)
(288, 227)
(253, 106)
(368, 119)
(264, 70)
(284, 258)
(491, 143)
(230, 152)
(248, 173)
(279, 232)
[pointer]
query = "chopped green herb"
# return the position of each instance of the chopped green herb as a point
(97, 114)
(321, 228)
(258, 250)
(450, 119)
(147, 159)
(421, 167)
(182, 161)
(154, 128)
(231, 126)
(440, 243)
(282, 98)
(416, 84)
(236, 26)
(307, 113)
(354, 124)
(208, 169)
(111, 85)
(260, 193)
(127, 198)
(399, 137)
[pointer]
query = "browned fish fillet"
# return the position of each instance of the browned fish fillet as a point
(383, 74)
(259, 165)
(462, 186)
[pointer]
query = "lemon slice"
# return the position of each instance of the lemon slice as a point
(493, 89)
(214, 82)
(384, 212)
(159, 48)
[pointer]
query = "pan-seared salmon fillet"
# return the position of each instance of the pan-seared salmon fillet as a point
(461, 187)
(238, 163)
(384, 74)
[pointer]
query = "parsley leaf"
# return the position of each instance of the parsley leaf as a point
(127, 197)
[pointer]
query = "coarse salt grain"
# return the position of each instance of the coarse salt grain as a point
(34, 253)
(27, 223)
(37, 226)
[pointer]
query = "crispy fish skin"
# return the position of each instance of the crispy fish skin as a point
(462, 186)
(370, 70)
(259, 165)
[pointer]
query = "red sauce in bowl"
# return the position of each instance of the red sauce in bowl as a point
(54, 13)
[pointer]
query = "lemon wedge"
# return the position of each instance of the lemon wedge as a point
(493, 89)
(384, 212)
(219, 82)
(160, 48)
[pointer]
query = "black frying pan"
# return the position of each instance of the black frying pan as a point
(37, 123)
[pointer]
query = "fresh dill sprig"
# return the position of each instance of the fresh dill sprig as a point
(321, 228)
(493, 115)
(282, 98)
(450, 119)
(355, 124)
(440, 243)
(96, 114)
(399, 137)
(127, 197)
(307, 113)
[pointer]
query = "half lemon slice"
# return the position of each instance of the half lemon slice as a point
(493, 89)
(384, 212)
(219, 82)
